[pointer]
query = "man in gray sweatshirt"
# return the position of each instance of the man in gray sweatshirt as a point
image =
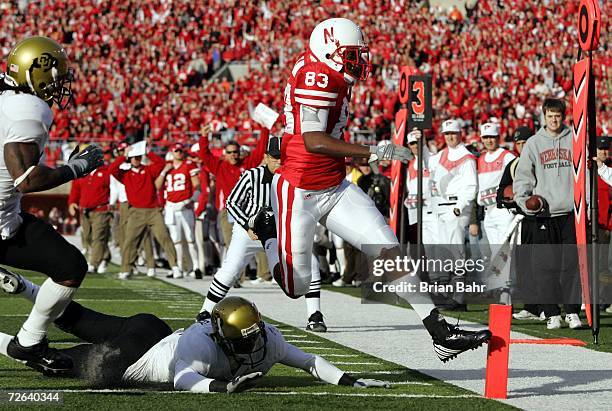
(545, 169)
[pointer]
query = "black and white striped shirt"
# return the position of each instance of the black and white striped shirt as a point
(250, 195)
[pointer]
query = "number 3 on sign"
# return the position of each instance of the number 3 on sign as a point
(418, 106)
(311, 77)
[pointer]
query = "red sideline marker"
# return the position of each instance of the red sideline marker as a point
(500, 318)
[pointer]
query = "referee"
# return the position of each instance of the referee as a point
(250, 195)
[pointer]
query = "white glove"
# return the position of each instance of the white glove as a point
(370, 383)
(390, 152)
(244, 382)
(86, 161)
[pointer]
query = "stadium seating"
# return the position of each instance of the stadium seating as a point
(144, 67)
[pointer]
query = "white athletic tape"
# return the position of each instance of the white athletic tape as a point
(25, 175)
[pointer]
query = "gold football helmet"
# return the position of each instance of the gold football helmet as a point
(239, 329)
(39, 66)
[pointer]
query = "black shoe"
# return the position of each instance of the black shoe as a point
(198, 274)
(264, 225)
(210, 270)
(203, 316)
(40, 357)
(450, 341)
(11, 283)
(316, 323)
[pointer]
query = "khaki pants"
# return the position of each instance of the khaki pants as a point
(226, 227)
(100, 222)
(145, 242)
(85, 231)
(141, 221)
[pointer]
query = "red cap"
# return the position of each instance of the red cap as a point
(176, 147)
(122, 146)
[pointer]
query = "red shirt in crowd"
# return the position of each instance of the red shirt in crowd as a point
(139, 182)
(93, 190)
(226, 174)
(178, 182)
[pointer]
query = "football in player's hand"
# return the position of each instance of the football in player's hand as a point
(508, 194)
(535, 203)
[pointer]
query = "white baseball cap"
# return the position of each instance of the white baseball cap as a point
(412, 136)
(451, 126)
(489, 130)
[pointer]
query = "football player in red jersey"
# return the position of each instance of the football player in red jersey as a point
(181, 189)
(310, 185)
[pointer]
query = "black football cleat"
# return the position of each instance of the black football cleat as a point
(316, 323)
(448, 340)
(11, 283)
(264, 225)
(41, 357)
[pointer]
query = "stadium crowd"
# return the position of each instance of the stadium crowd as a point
(144, 68)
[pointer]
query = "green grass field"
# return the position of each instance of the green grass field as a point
(283, 388)
(480, 314)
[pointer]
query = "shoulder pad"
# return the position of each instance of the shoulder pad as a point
(18, 107)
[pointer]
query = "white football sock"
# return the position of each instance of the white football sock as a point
(193, 253)
(51, 301)
(313, 297)
(313, 304)
(179, 255)
(420, 302)
(4, 342)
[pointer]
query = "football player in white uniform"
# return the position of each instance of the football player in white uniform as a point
(228, 353)
(37, 77)
(310, 186)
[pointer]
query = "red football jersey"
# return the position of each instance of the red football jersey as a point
(178, 182)
(316, 96)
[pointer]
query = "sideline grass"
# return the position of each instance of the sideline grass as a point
(283, 388)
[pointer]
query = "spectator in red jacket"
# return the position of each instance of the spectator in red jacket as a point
(90, 195)
(144, 210)
(227, 172)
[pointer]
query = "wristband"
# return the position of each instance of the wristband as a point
(67, 173)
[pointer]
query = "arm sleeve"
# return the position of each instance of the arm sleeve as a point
(468, 172)
(317, 366)
(524, 178)
(255, 158)
(157, 164)
(241, 194)
(187, 379)
(605, 173)
(75, 192)
(210, 161)
(115, 169)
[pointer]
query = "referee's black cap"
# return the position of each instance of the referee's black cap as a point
(274, 144)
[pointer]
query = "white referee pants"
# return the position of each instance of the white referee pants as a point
(240, 251)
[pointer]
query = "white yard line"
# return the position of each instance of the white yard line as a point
(280, 393)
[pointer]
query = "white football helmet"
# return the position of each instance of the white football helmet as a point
(339, 43)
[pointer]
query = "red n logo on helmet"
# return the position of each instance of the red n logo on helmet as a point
(327, 35)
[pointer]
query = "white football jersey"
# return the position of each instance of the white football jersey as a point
(24, 118)
(195, 348)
